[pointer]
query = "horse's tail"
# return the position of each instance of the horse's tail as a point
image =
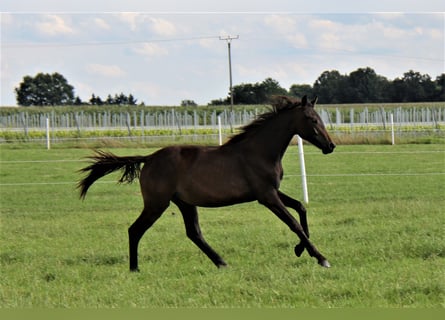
(105, 163)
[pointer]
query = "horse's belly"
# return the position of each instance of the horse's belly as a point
(215, 193)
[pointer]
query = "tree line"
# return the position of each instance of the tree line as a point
(118, 99)
(363, 85)
(54, 90)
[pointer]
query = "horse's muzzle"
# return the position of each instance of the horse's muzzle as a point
(329, 148)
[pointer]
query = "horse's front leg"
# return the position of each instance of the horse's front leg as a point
(301, 210)
(272, 201)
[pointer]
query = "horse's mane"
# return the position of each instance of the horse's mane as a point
(279, 104)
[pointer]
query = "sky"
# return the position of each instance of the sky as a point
(163, 55)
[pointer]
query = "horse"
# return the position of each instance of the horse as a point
(246, 168)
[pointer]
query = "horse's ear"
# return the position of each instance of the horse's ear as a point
(313, 102)
(304, 101)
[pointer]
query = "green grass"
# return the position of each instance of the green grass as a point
(376, 212)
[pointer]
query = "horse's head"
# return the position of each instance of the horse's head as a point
(310, 127)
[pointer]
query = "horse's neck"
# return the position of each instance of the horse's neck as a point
(271, 140)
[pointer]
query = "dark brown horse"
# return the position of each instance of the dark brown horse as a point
(246, 168)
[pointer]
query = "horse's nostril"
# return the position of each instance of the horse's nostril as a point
(332, 145)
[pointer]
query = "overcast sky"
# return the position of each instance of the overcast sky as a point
(163, 55)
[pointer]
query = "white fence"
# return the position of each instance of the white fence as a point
(176, 120)
(411, 116)
(170, 119)
(181, 119)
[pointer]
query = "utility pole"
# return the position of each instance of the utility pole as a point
(229, 40)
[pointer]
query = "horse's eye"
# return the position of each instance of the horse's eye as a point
(314, 121)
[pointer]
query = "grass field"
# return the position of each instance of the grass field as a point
(376, 212)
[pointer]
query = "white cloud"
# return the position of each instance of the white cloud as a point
(329, 34)
(389, 15)
(6, 19)
(151, 89)
(281, 23)
(54, 25)
(102, 24)
(298, 40)
(151, 50)
(207, 43)
(83, 90)
(141, 21)
(276, 71)
(390, 32)
(130, 18)
(162, 27)
(105, 70)
(323, 24)
(288, 27)
(436, 34)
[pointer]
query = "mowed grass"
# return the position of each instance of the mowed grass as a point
(376, 212)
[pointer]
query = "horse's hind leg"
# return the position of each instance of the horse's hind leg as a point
(147, 218)
(193, 231)
(301, 210)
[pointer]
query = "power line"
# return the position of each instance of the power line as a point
(310, 51)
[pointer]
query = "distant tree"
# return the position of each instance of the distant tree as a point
(439, 94)
(93, 100)
(300, 90)
(329, 87)
(45, 90)
(118, 99)
(99, 101)
(188, 103)
(219, 102)
(364, 85)
(110, 100)
(413, 87)
(271, 87)
(78, 101)
(257, 93)
(96, 101)
(131, 100)
(247, 93)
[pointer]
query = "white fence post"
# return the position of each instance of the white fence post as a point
(48, 145)
(219, 130)
(391, 119)
(302, 169)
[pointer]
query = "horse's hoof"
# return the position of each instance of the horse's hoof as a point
(324, 263)
(299, 248)
(135, 270)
